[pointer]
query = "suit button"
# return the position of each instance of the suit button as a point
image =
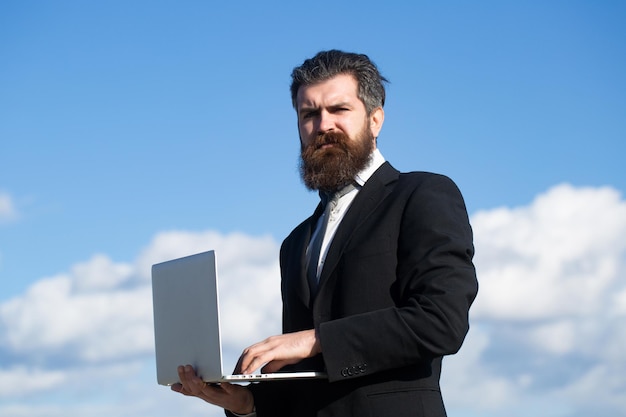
(344, 372)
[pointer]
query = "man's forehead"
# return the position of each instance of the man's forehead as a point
(341, 87)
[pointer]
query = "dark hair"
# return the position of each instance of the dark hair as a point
(328, 64)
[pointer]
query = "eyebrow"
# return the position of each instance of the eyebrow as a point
(312, 109)
(308, 110)
(341, 104)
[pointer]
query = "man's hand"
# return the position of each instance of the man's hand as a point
(233, 397)
(278, 351)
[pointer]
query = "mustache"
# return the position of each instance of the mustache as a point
(329, 138)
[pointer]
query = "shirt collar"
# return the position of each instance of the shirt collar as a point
(376, 160)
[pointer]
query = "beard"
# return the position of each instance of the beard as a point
(332, 168)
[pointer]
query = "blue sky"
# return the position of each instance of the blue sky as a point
(135, 131)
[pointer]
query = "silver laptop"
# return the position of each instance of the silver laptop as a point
(187, 322)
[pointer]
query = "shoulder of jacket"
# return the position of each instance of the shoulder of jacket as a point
(424, 176)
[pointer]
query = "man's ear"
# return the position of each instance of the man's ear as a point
(376, 121)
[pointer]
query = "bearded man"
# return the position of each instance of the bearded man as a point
(376, 284)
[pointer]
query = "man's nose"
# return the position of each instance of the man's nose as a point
(326, 122)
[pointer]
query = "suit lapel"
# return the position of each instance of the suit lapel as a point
(364, 204)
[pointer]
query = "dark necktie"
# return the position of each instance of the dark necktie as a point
(329, 201)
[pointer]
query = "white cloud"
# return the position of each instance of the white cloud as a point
(547, 336)
(550, 309)
(8, 211)
(560, 256)
(39, 380)
(79, 315)
(94, 322)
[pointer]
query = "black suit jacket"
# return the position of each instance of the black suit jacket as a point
(393, 299)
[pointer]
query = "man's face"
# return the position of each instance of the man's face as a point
(337, 135)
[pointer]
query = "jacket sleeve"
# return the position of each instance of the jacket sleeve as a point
(434, 286)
